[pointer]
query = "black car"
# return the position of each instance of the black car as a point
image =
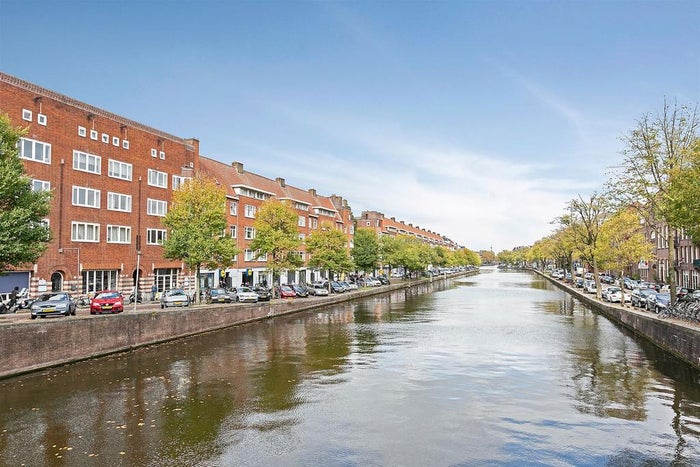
(384, 280)
(264, 294)
(661, 302)
(53, 304)
(336, 287)
(219, 296)
(300, 290)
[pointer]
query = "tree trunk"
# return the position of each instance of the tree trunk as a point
(622, 287)
(197, 297)
(672, 264)
(596, 278)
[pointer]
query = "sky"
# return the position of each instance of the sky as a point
(478, 120)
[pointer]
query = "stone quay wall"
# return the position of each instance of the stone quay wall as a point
(674, 336)
(28, 346)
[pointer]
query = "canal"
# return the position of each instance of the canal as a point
(495, 369)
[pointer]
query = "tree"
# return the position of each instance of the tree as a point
(588, 217)
(327, 248)
(197, 227)
(685, 194)
(277, 235)
(622, 243)
(365, 251)
(24, 235)
(655, 151)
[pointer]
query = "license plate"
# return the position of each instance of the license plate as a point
(106, 307)
(48, 310)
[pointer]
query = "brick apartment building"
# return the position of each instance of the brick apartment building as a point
(390, 226)
(686, 266)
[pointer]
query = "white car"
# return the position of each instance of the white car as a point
(246, 294)
(589, 286)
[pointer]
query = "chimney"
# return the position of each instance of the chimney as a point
(238, 166)
(312, 191)
(393, 219)
(280, 180)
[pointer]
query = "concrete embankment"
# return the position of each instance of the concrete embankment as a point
(679, 338)
(27, 345)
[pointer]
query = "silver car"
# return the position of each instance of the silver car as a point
(53, 304)
(246, 294)
(318, 290)
(174, 297)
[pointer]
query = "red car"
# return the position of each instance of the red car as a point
(107, 301)
(286, 291)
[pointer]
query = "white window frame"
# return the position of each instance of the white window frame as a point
(233, 231)
(118, 202)
(302, 221)
(41, 119)
(82, 131)
(233, 208)
(125, 143)
(27, 115)
(85, 193)
(94, 135)
(162, 155)
(157, 207)
(41, 185)
(105, 138)
(115, 141)
(154, 152)
(121, 232)
(119, 169)
(157, 178)
(248, 232)
(178, 180)
(77, 163)
(46, 154)
(249, 255)
(91, 232)
(156, 236)
(250, 211)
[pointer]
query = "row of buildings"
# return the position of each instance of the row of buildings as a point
(112, 181)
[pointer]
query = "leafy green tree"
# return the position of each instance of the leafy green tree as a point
(622, 242)
(23, 233)
(389, 251)
(327, 248)
(197, 224)
(277, 235)
(655, 151)
(588, 218)
(365, 251)
(685, 194)
(441, 256)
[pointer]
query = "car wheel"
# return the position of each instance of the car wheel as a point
(33, 317)
(162, 305)
(238, 299)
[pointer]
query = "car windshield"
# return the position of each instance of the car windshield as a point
(243, 289)
(663, 296)
(286, 288)
(107, 295)
(176, 292)
(52, 297)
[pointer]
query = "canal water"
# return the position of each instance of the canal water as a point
(495, 369)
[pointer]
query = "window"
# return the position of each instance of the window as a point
(154, 152)
(262, 257)
(233, 209)
(249, 233)
(166, 278)
(94, 281)
(302, 221)
(41, 185)
(85, 232)
(125, 143)
(302, 237)
(41, 119)
(232, 231)
(157, 178)
(313, 222)
(157, 207)
(87, 197)
(105, 138)
(118, 234)
(155, 236)
(82, 131)
(250, 211)
(117, 169)
(115, 141)
(178, 181)
(87, 162)
(162, 155)
(118, 202)
(27, 115)
(93, 134)
(249, 255)
(35, 150)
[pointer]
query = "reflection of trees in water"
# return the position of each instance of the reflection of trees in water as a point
(564, 306)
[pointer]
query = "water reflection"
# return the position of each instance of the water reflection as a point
(498, 369)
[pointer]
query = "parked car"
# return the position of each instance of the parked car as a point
(246, 294)
(579, 282)
(590, 286)
(659, 303)
(286, 291)
(264, 294)
(107, 301)
(299, 290)
(336, 287)
(616, 294)
(384, 280)
(53, 304)
(350, 285)
(639, 297)
(174, 297)
(318, 290)
(218, 295)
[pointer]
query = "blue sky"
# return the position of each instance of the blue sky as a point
(475, 119)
